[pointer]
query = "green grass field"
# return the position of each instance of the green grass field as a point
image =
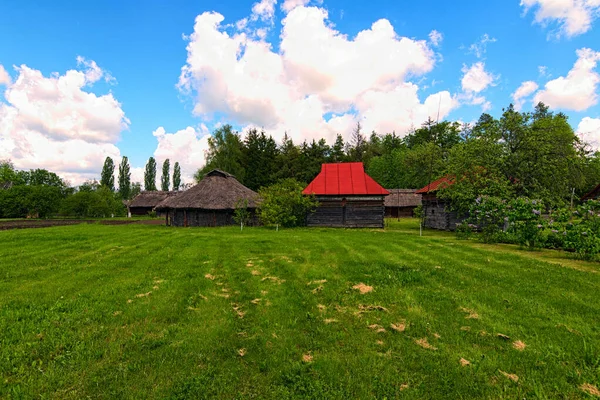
(133, 311)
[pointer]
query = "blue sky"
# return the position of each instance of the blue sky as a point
(293, 66)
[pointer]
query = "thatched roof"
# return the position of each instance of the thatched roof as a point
(217, 191)
(150, 198)
(403, 198)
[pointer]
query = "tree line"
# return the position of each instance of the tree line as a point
(535, 154)
(40, 193)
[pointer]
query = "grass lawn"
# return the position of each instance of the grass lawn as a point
(136, 311)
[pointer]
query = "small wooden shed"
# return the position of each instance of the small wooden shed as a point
(401, 203)
(436, 212)
(146, 202)
(347, 196)
(212, 202)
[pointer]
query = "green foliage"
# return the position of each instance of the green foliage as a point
(489, 215)
(284, 204)
(30, 201)
(136, 188)
(165, 179)
(225, 152)
(526, 221)
(150, 175)
(464, 230)
(107, 177)
(125, 179)
(260, 159)
(93, 202)
(583, 234)
(176, 176)
(242, 214)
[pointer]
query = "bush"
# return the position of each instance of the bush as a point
(284, 204)
(526, 222)
(30, 201)
(99, 203)
(488, 215)
(583, 234)
(464, 230)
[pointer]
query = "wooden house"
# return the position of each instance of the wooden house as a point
(212, 202)
(594, 194)
(146, 202)
(401, 203)
(436, 212)
(347, 196)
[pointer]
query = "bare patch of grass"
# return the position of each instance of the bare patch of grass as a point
(503, 337)
(424, 343)
(519, 345)
(362, 288)
(512, 377)
(319, 282)
(238, 310)
(472, 314)
(242, 352)
(307, 358)
(399, 327)
(255, 272)
(330, 320)
(143, 295)
(210, 277)
(464, 362)
(321, 307)
(255, 301)
(377, 328)
(590, 389)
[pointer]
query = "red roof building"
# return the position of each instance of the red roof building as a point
(347, 197)
(441, 183)
(344, 179)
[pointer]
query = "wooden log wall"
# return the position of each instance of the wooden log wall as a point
(437, 215)
(206, 218)
(336, 212)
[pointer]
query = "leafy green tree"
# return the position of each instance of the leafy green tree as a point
(242, 214)
(176, 176)
(284, 204)
(150, 175)
(107, 177)
(225, 152)
(125, 179)
(166, 177)
(136, 188)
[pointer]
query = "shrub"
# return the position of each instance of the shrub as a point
(488, 214)
(583, 234)
(284, 204)
(526, 222)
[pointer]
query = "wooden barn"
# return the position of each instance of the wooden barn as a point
(146, 202)
(594, 194)
(436, 211)
(211, 202)
(401, 203)
(347, 196)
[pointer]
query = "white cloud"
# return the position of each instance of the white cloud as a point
(318, 84)
(543, 70)
(574, 17)
(589, 131)
(4, 77)
(289, 5)
(476, 79)
(479, 48)
(525, 90)
(264, 9)
(576, 91)
(186, 146)
(53, 123)
(435, 38)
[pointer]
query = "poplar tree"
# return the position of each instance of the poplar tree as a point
(124, 179)
(107, 177)
(165, 179)
(176, 176)
(150, 175)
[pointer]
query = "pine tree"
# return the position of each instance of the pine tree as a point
(107, 178)
(176, 176)
(124, 179)
(337, 151)
(166, 177)
(150, 175)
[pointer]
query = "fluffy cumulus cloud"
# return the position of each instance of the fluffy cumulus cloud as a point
(55, 123)
(264, 9)
(576, 91)
(474, 81)
(573, 17)
(319, 83)
(4, 76)
(289, 5)
(186, 146)
(589, 131)
(435, 38)
(525, 90)
(479, 48)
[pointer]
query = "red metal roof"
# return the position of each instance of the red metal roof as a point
(344, 179)
(441, 183)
